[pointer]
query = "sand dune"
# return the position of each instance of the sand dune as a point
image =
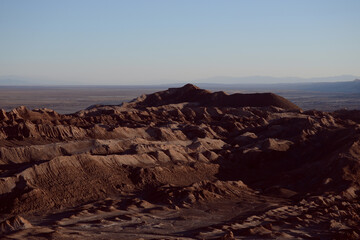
(181, 164)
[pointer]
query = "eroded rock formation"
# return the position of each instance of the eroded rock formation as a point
(286, 172)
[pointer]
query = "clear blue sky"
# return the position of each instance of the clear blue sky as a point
(163, 41)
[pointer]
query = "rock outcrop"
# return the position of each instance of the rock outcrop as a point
(192, 94)
(180, 149)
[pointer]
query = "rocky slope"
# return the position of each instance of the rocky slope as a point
(191, 93)
(183, 163)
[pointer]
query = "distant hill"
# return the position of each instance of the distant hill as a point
(272, 80)
(345, 87)
(330, 87)
(191, 93)
(12, 82)
(23, 81)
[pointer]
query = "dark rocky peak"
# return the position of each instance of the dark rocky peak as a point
(188, 89)
(192, 93)
(189, 86)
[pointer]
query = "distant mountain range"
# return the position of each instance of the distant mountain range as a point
(18, 81)
(339, 87)
(340, 84)
(271, 80)
(12, 82)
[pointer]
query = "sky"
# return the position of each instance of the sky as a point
(169, 41)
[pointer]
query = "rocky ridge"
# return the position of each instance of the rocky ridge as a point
(184, 152)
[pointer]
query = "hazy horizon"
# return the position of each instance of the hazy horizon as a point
(165, 42)
(221, 80)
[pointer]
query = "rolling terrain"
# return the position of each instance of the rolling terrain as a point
(184, 163)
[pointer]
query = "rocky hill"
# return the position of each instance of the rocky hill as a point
(184, 163)
(192, 94)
